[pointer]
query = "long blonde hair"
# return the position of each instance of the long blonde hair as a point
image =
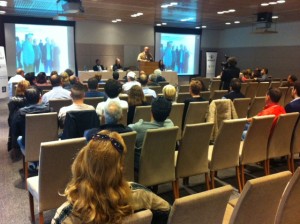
(98, 191)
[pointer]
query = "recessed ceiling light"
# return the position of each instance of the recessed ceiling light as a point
(158, 24)
(3, 3)
(118, 20)
(134, 15)
(231, 10)
(237, 22)
(164, 6)
(228, 23)
(272, 3)
(163, 24)
(2, 12)
(140, 14)
(221, 12)
(264, 4)
(275, 17)
(280, 1)
(114, 21)
(197, 27)
(203, 27)
(173, 3)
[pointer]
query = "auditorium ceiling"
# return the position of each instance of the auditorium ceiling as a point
(212, 14)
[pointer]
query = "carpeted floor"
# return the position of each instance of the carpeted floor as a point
(14, 203)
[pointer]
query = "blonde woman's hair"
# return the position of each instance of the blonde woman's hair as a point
(65, 79)
(169, 92)
(136, 96)
(21, 87)
(98, 191)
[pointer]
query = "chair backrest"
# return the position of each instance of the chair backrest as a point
(142, 217)
(241, 106)
(56, 158)
(214, 85)
(244, 87)
(295, 144)
(288, 96)
(124, 97)
(204, 207)
(184, 88)
(100, 89)
(205, 95)
(93, 101)
(162, 84)
(193, 151)
(77, 122)
(39, 128)
(206, 82)
(124, 116)
(283, 93)
(256, 143)
(218, 94)
(275, 84)
(142, 112)
(176, 117)
(45, 91)
(280, 140)
(157, 89)
(196, 112)
(129, 139)
(149, 99)
(157, 157)
(288, 211)
(182, 97)
(256, 106)
(56, 104)
(227, 141)
(251, 90)
(259, 199)
(262, 88)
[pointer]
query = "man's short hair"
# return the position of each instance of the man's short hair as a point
(69, 71)
(116, 75)
(161, 108)
(195, 87)
(143, 79)
(232, 61)
(53, 73)
(153, 77)
(77, 91)
(55, 80)
(20, 71)
(112, 112)
(275, 94)
(157, 72)
(235, 85)
(30, 77)
(93, 83)
(112, 88)
(293, 78)
(32, 95)
(73, 80)
(297, 87)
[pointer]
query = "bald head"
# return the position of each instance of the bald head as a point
(20, 72)
(146, 49)
(143, 79)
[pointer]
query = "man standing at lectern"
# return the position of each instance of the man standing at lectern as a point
(145, 55)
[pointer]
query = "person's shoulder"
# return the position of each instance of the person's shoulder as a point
(62, 213)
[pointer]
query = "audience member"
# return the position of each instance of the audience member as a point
(161, 65)
(70, 72)
(235, 90)
(160, 110)
(53, 73)
(116, 75)
(146, 89)
(290, 81)
(169, 92)
(136, 97)
(230, 72)
(245, 75)
(117, 66)
(41, 80)
(159, 78)
(57, 91)
(110, 121)
(264, 75)
(15, 79)
(33, 106)
(30, 77)
(65, 81)
(92, 89)
(195, 89)
(152, 80)
(77, 95)
(73, 80)
(98, 67)
(112, 90)
(131, 81)
(294, 105)
(271, 107)
(98, 192)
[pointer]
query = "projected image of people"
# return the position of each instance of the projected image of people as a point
(40, 49)
(179, 53)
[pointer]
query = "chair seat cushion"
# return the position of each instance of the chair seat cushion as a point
(33, 186)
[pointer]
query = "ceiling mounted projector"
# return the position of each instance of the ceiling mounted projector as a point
(71, 6)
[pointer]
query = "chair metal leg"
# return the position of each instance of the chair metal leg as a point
(31, 206)
(238, 175)
(242, 169)
(292, 162)
(289, 163)
(41, 218)
(267, 167)
(175, 186)
(212, 179)
(26, 174)
(207, 181)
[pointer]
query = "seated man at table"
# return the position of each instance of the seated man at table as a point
(92, 88)
(110, 121)
(98, 67)
(160, 110)
(77, 94)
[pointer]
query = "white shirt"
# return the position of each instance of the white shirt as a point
(57, 92)
(102, 105)
(14, 79)
(148, 91)
(127, 86)
(63, 111)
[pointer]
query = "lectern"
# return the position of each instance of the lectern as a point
(148, 67)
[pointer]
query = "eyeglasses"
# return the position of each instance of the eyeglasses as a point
(117, 145)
